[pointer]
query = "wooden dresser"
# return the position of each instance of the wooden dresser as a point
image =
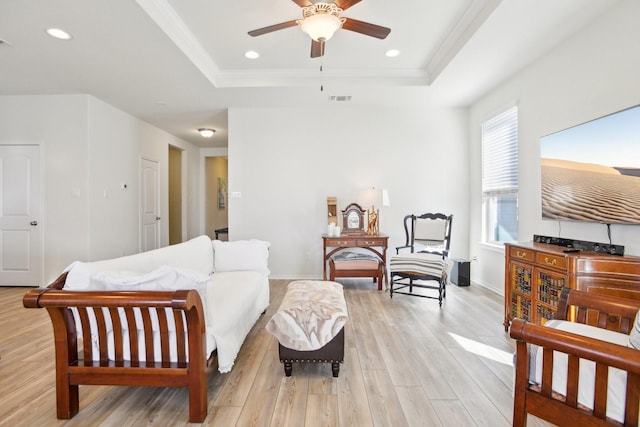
(535, 273)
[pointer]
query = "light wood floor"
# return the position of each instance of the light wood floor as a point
(407, 363)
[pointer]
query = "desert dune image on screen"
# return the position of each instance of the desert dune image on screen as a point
(591, 172)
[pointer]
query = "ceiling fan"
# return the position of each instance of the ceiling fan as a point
(320, 20)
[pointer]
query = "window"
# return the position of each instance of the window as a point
(500, 177)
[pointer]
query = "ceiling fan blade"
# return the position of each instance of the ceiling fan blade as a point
(302, 3)
(366, 28)
(317, 49)
(272, 28)
(345, 4)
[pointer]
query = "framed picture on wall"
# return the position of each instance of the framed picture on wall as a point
(222, 191)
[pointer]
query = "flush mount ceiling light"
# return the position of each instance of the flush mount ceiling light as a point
(251, 54)
(206, 133)
(392, 53)
(58, 34)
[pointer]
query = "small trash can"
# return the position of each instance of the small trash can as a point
(461, 272)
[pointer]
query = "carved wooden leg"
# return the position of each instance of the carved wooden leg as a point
(288, 367)
(335, 368)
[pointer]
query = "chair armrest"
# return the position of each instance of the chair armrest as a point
(617, 356)
(558, 409)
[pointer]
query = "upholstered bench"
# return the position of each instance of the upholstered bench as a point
(309, 325)
(356, 264)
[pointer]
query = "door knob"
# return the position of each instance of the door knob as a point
(34, 223)
(157, 218)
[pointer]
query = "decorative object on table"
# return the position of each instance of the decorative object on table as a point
(333, 230)
(353, 219)
(373, 197)
(332, 210)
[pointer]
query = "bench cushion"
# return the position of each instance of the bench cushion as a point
(312, 313)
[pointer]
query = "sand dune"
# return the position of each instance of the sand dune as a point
(587, 192)
(567, 164)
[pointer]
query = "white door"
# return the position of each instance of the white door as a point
(20, 252)
(149, 205)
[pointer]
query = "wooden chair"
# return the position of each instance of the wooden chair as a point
(355, 264)
(427, 238)
(563, 408)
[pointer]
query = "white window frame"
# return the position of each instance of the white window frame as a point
(500, 178)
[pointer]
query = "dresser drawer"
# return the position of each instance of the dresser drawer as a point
(521, 254)
(338, 241)
(370, 242)
(551, 260)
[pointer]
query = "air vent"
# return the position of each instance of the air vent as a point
(340, 98)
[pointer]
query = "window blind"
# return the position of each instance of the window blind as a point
(500, 153)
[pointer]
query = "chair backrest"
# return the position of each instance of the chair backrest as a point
(429, 232)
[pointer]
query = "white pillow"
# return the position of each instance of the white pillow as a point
(634, 336)
(241, 255)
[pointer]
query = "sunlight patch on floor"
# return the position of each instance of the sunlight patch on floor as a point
(484, 350)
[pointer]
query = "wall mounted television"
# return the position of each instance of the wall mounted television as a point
(591, 172)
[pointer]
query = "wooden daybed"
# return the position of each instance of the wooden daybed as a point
(603, 311)
(75, 363)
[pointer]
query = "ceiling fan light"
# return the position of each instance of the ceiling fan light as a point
(320, 26)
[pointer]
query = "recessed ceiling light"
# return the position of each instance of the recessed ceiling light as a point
(252, 54)
(58, 34)
(392, 53)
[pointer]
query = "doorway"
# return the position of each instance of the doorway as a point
(149, 205)
(216, 212)
(175, 195)
(20, 209)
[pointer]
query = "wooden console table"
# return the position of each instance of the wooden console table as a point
(535, 273)
(375, 244)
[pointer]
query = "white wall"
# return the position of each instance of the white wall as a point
(88, 149)
(286, 162)
(594, 73)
